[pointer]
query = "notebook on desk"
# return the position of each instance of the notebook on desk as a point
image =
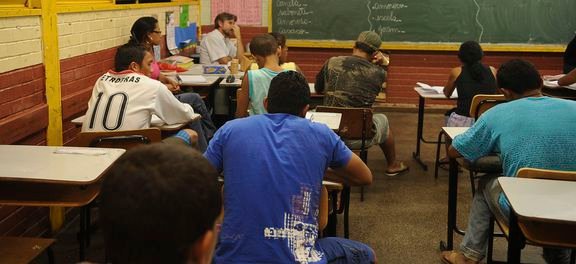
(332, 120)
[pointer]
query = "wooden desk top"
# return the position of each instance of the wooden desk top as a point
(63, 165)
(432, 95)
(20, 193)
(538, 199)
(452, 132)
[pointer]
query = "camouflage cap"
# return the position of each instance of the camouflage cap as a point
(370, 38)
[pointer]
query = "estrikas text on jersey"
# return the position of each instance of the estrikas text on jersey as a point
(108, 78)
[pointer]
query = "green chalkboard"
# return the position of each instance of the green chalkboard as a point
(527, 22)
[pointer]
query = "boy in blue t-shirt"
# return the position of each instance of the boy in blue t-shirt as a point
(273, 167)
(529, 131)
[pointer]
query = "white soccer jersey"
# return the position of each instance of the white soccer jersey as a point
(126, 101)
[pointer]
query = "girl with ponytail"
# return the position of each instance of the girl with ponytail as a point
(470, 79)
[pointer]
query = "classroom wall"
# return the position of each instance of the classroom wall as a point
(87, 43)
(23, 108)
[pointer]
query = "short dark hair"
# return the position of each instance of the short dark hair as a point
(280, 38)
(223, 17)
(141, 28)
(289, 93)
(263, 45)
(518, 76)
(364, 47)
(156, 201)
(127, 54)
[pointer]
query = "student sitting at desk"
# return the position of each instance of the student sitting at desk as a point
(256, 82)
(126, 98)
(146, 32)
(273, 166)
(355, 81)
(530, 131)
(470, 79)
(216, 47)
(160, 204)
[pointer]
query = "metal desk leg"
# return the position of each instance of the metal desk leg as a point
(416, 155)
(515, 240)
(452, 202)
(82, 233)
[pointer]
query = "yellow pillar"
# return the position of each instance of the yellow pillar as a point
(52, 71)
(53, 89)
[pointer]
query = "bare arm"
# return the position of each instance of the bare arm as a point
(243, 98)
(453, 153)
(451, 83)
(323, 209)
(239, 45)
(224, 60)
(568, 79)
(172, 85)
(355, 173)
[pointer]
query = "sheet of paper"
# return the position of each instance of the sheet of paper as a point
(249, 12)
(184, 16)
(312, 89)
(554, 84)
(192, 79)
(171, 34)
(435, 89)
(81, 151)
(332, 120)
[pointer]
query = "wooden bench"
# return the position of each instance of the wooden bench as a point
(17, 250)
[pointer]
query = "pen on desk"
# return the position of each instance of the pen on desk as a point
(179, 79)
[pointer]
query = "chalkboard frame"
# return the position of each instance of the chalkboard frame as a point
(418, 46)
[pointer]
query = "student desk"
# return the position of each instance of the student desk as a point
(542, 211)
(422, 96)
(54, 177)
(155, 122)
(551, 88)
(220, 92)
(452, 132)
(559, 92)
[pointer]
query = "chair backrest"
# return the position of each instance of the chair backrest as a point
(356, 123)
(546, 174)
(126, 139)
(482, 102)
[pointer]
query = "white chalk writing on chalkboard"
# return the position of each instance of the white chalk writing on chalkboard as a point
(384, 16)
(294, 14)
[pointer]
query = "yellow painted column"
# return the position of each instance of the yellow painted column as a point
(53, 89)
(52, 71)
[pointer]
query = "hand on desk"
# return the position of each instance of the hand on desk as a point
(173, 85)
(552, 77)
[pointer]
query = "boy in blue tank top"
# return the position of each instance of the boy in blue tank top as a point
(256, 83)
(273, 166)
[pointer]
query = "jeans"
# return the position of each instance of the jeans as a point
(340, 250)
(484, 205)
(205, 127)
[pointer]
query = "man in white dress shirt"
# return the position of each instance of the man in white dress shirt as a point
(216, 47)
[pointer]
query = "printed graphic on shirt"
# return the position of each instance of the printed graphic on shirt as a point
(300, 235)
